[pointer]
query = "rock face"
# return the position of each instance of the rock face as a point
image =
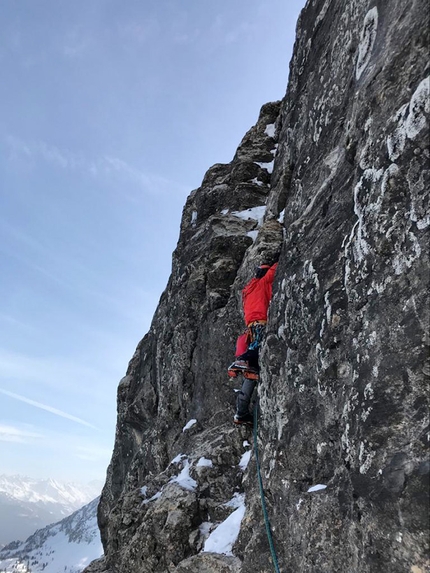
(343, 162)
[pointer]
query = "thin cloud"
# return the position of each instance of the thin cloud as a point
(93, 453)
(119, 166)
(53, 154)
(99, 168)
(41, 150)
(71, 278)
(19, 366)
(153, 184)
(17, 148)
(17, 435)
(47, 408)
(11, 320)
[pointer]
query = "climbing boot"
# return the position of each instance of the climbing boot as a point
(237, 368)
(233, 372)
(246, 420)
(242, 367)
(251, 374)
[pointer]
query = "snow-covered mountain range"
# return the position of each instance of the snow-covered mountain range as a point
(27, 504)
(69, 545)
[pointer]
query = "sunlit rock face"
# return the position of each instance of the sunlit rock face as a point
(344, 374)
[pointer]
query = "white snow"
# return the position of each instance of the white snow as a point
(236, 501)
(257, 182)
(12, 565)
(70, 495)
(204, 462)
(178, 459)
(252, 234)
(268, 166)
(255, 213)
(281, 217)
(222, 539)
(317, 487)
(193, 218)
(57, 554)
(189, 424)
(153, 498)
(270, 130)
(69, 545)
(144, 490)
(184, 479)
(205, 528)
(246, 444)
(244, 460)
(224, 212)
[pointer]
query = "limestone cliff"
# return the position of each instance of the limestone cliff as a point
(343, 163)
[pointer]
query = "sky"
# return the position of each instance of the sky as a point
(110, 114)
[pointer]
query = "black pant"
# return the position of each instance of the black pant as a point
(251, 356)
(244, 397)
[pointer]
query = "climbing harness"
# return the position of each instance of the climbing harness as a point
(263, 502)
(255, 334)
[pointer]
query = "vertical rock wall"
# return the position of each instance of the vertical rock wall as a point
(344, 374)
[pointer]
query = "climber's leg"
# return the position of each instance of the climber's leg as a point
(244, 397)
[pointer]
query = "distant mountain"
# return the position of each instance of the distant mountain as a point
(27, 504)
(69, 545)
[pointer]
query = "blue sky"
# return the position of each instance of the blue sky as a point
(110, 114)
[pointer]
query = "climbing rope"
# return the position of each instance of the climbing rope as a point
(263, 502)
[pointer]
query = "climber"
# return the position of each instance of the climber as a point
(256, 298)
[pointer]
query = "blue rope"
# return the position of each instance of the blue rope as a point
(263, 502)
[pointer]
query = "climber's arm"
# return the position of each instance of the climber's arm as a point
(270, 275)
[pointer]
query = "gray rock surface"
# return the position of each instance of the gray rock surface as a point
(343, 390)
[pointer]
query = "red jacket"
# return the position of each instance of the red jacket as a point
(256, 296)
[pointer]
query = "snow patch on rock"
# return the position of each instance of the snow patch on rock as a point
(189, 425)
(222, 539)
(270, 130)
(184, 479)
(317, 487)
